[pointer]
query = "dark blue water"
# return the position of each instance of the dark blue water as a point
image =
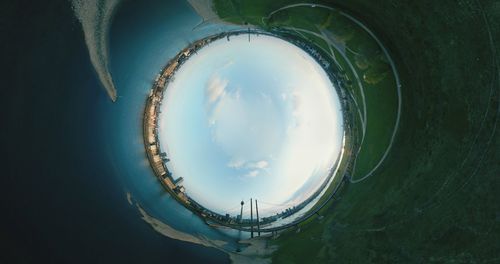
(144, 37)
(70, 154)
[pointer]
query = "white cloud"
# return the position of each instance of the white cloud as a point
(267, 146)
(252, 169)
(261, 164)
(252, 174)
(242, 164)
(216, 88)
(236, 163)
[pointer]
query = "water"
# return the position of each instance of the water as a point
(75, 155)
(143, 37)
(71, 154)
(95, 17)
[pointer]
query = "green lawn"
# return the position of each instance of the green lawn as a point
(435, 198)
(361, 59)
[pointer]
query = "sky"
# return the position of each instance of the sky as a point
(256, 119)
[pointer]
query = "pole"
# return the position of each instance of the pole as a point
(251, 218)
(258, 222)
(241, 213)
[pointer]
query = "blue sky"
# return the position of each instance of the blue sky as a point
(256, 119)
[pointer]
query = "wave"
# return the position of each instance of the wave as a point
(95, 17)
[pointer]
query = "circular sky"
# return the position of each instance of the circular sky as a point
(250, 119)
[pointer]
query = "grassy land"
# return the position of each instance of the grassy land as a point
(356, 53)
(435, 197)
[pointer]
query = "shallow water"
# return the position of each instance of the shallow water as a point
(143, 38)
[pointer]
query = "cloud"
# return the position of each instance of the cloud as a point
(236, 163)
(252, 174)
(261, 164)
(252, 169)
(242, 164)
(216, 88)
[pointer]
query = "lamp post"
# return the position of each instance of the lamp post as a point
(258, 223)
(251, 218)
(241, 212)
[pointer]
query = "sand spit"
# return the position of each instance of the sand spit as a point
(95, 17)
(255, 251)
(204, 8)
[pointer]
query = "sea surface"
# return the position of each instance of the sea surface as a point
(73, 154)
(143, 38)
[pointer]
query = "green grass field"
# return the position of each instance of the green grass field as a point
(435, 197)
(356, 53)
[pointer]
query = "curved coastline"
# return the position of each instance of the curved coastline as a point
(157, 158)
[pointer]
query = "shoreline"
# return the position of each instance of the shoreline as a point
(158, 159)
